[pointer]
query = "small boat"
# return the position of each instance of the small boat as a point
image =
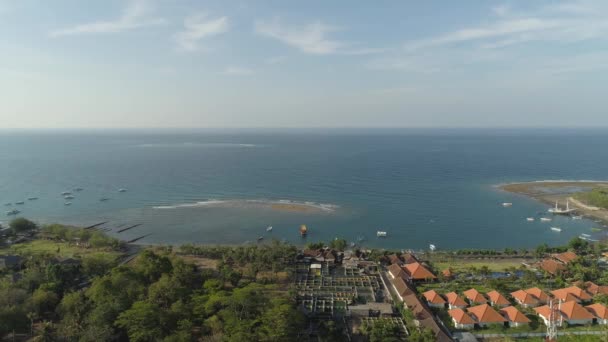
(381, 233)
(303, 230)
(103, 199)
(269, 229)
(260, 238)
(432, 247)
(20, 202)
(32, 198)
(122, 190)
(13, 212)
(559, 211)
(586, 238)
(586, 235)
(530, 219)
(67, 203)
(577, 217)
(556, 229)
(507, 204)
(545, 219)
(69, 197)
(65, 193)
(78, 189)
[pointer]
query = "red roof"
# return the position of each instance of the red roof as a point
(599, 310)
(595, 289)
(551, 266)
(418, 272)
(485, 314)
(571, 293)
(447, 273)
(474, 296)
(524, 297)
(460, 316)
(544, 311)
(513, 315)
(497, 299)
(433, 297)
(396, 271)
(565, 257)
(454, 299)
(538, 293)
(574, 311)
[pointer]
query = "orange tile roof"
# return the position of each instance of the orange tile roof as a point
(544, 311)
(595, 289)
(454, 299)
(565, 257)
(433, 297)
(571, 293)
(460, 316)
(514, 315)
(401, 287)
(574, 311)
(485, 314)
(599, 310)
(524, 297)
(497, 298)
(447, 273)
(474, 296)
(418, 272)
(396, 271)
(551, 266)
(538, 293)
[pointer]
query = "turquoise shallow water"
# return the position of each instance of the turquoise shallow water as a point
(421, 186)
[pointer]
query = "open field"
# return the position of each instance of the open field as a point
(60, 249)
(463, 265)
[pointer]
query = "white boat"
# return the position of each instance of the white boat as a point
(12, 212)
(586, 235)
(380, 233)
(65, 193)
(577, 217)
(545, 219)
(432, 247)
(507, 204)
(269, 229)
(67, 203)
(559, 211)
(530, 219)
(122, 190)
(556, 229)
(68, 197)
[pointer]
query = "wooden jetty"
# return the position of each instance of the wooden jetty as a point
(129, 227)
(138, 238)
(96, 225)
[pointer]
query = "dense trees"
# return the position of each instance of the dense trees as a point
(20, 225)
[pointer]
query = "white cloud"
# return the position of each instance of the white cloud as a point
(238, 71)
(134, 16)
(311, 38)
(198, 27)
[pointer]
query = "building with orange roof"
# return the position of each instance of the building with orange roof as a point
(447, 273)
(514, 316)
(525, 299)
(416, 272)
(497, 299)
(485, 315)
(394, 259)
(551, 266)
(401, 288)
(571, 312)
(395, 271)
(565, 257)
(434, 299)
(599, 311)
(571, 293)
(594, 289)
(455, 301)
(461, 319)
(539, 294)
(475, 297)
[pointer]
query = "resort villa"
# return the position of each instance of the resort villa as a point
(455, 301)
(574, 293)
(485, 315)
(416, 272)
(497, 299)
(570, 312)
(461, 319)
(525, 299)
(434, 299)
(475, 297)
(514, 316)
(594, 289)
(599, 311)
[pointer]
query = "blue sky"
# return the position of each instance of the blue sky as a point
(162, 63)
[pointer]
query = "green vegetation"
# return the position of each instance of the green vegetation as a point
(21, 225)
(597, 197)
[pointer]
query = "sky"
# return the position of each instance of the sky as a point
(190, 64)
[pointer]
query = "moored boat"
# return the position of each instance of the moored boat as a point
(303, 230)
(32, 198)
(122, 190)
(556, 229)
(20, 202)
(12, 212)
(269, 229)
(507, 204)
(530, 219)
(432, 247)
(381, 233)
(545, 219)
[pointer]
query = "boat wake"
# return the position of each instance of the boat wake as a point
(281, 204)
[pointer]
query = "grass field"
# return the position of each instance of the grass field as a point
(498, 265)
(59, 249)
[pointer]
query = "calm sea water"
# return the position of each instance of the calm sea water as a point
(421, 186)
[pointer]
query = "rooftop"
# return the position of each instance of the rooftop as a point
(454, 299)
(418, 272)
(513, 315)
(565, 257)
(433, 297)
(599, 310)
(460, 316)
(497, 298)
(486, 314)
(474, 296)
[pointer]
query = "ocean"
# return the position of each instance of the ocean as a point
(421, 186)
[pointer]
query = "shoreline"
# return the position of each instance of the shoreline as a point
(561, 191)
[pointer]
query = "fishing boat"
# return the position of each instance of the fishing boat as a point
(32, 198)
(103, 199)
(68, 197)
(13, 212)
(67, 203)
(260, 238)
(381, 233)
(557, 229)
(545, 219)
(432, 247)
(20, 202)
(577, 217)
(303, 230)
(122, 190)
(65, 193)
(586, 235)
(530, 219)
(269, 229)
(507, 204)
(559, 211)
